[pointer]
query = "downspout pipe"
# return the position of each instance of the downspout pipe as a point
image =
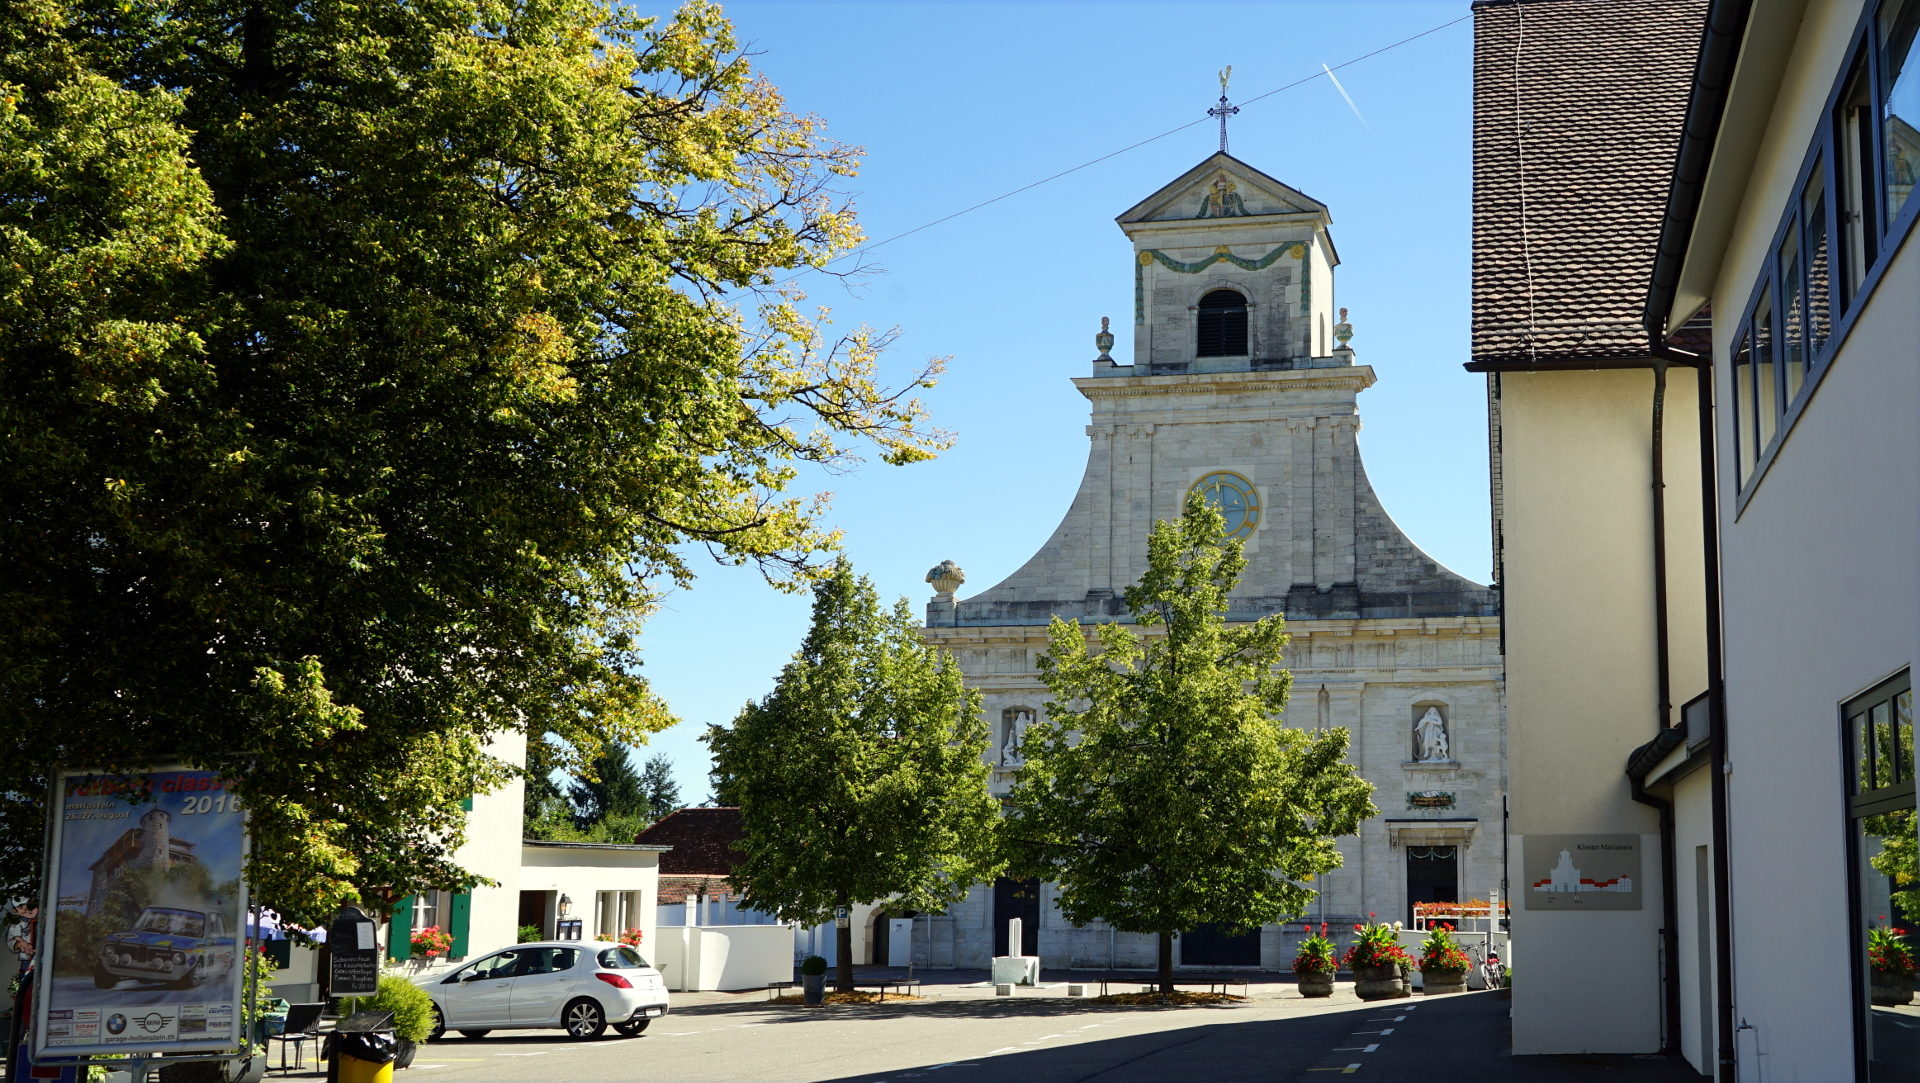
(1643, 760)
(1720, 43)
(1722, 765)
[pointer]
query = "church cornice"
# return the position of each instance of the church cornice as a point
(1353, 379)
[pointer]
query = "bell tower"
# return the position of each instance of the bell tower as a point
(1233, 272)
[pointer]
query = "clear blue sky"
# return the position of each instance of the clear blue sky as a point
(956, 103)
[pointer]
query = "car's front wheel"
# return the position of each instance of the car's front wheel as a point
(584, 1020)
(632, 1027)
(439, 1024)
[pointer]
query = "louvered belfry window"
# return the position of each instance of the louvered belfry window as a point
(1222, 325)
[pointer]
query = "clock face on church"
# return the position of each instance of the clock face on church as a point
(1234, 495)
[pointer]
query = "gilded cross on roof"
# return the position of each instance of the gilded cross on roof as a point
(1223, 110)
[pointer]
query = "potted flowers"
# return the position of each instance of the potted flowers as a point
(431, 942)
(1376, 959)
(1314, 965)
(632, 937)
(1443, 966)
(1890, 966)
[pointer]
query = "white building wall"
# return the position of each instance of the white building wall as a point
(492, 850)
(1821, 582)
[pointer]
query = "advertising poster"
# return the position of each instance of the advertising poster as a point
(142, 929)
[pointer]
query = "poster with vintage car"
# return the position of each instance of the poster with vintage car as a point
(142, 926)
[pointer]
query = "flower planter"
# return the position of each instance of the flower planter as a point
(1890, 989)
(1440, 980)
(1316, 983)
(1378, 982)
(813, 989)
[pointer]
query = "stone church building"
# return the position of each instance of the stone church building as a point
(1242, 385)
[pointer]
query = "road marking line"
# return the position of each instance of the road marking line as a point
(1382, 1030)
(1356, 1048)
(540, 1053)
(1045, 1037)
(1004, 1049)
(1348, 1070)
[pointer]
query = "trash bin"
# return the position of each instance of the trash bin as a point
(361, 1049)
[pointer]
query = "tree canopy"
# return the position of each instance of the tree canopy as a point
(365, 369)
(1163, 790)
(862, 776)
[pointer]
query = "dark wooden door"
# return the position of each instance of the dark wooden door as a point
(1433, 875)
(1208, 944)
(1016, 899)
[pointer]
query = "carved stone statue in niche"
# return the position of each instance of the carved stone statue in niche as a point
(1430, 738)
(1017, 719)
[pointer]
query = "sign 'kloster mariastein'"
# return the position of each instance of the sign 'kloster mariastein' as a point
(141, 923)
(1582, 872)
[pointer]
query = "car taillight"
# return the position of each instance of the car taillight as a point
(615, 980)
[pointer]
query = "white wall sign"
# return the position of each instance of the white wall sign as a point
(1581, 872)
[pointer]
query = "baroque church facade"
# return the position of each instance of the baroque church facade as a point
(1242, 386)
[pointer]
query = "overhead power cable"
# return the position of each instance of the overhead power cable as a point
(1302, 81)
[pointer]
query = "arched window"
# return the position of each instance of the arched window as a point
(1222, 325)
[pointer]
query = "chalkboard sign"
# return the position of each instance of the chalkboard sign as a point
(354, 973)
(355, 952)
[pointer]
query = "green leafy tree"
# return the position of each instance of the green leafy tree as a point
(1163, 789)
(862, 776)
(365, 369)
(609, 788)
(659, 790)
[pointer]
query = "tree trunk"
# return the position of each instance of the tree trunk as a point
(843, 941)
(1166, 961)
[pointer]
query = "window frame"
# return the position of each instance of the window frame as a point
(1860, 804)
(1226, 314)
(1881, 237)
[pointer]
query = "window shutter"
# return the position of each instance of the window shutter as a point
(1221, 325)
(459, 909)
(400, 930)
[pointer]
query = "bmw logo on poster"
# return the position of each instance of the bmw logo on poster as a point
(141, 927)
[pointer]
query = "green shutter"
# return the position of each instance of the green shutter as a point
(459, 909)
(400, 930)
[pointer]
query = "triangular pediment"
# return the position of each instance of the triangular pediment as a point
(1222, 186)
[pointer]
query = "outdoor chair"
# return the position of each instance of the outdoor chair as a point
(303, 1026)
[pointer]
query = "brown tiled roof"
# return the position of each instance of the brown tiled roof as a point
(1577, 105)
(675, 889)
(702, 841)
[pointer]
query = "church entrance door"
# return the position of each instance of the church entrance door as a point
(1016, 899)
(1208, 944)
(1433, 875)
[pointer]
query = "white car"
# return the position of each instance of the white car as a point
(580, 986)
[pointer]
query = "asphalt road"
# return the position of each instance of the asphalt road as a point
(961, 1034)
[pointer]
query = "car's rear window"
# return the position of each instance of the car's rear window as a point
(621, 958)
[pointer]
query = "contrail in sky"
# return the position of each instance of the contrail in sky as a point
(1344, 94)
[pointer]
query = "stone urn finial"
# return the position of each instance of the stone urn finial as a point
(1343, 332)
(1103, 341)
(946, 577)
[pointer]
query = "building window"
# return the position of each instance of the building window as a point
(1222, 325)
(1845, 221)
(1885, 889)
(1899, 102)
(428, 908)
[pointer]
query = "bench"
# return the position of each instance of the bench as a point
(1216, 983)
(900, 986)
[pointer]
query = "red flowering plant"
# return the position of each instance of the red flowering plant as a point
(631, 938)
(431, 942)
(1887, 951)
(1316, 952)
(1439, 951)
(1375, 945)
